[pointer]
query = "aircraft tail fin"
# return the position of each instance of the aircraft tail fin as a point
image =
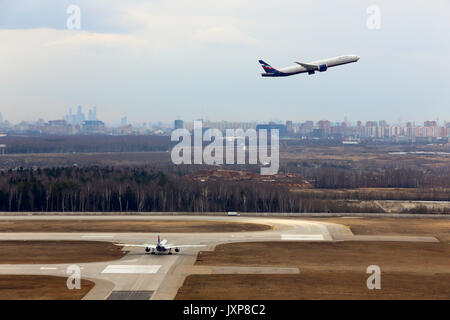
(159, 239)
(267, 67)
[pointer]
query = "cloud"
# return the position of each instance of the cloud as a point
(78, 39)
(223, 35)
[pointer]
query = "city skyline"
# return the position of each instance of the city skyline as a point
(78, 123)
(80, 116)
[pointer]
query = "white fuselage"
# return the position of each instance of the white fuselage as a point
(331, 62)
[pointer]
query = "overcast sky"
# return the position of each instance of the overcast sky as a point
(166, 59)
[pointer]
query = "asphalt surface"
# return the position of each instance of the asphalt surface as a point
(143, 276)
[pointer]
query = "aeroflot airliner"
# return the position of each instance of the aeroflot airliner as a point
(160, 247)
(310, 67)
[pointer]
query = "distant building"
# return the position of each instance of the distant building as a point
(178, 124)
(124, 130)
(318, 133)
(446, 130)
(271, 126)
(1, 118)
(92, 114)
(306, 127)
(123, 122)
(289, 127)
(58, 127)
(324, 126)
(77, 118)
(93, 127)
(430, 124)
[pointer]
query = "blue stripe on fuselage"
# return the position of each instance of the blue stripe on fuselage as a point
(279, 74)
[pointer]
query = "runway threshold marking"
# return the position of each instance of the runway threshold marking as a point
(302, 237)
(48, 268)
(130, 295)
(137, 269)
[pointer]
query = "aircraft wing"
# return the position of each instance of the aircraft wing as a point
(185, 246)
(307, 66)
(136, 245)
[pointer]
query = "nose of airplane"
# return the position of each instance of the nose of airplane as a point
(357, 58)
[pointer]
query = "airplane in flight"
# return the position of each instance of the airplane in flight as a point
(160, 247)
(310, 67)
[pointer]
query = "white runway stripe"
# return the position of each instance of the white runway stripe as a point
(48, 268)
(131, 269)
(97, 236)
(304, 237)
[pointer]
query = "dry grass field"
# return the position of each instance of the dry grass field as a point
(439, 228)
(327, 271)
(314, 284)
(325, 255)
(40, 287)
(376, 154)
(127, 226)
(58, 251)
(334, 270)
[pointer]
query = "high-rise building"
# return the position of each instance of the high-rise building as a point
(289, 126)
(178, 124)
(123, 121)
(80, 115)
(1, 118)
(324, 125)
(92, 114)
(273, 126)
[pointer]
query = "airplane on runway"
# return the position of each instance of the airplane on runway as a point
(160, 247)
(310, 67)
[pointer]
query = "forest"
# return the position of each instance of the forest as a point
(144, 189)
(169, 189)
(325, 179)
(88, 143)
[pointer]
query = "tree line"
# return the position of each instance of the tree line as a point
(74, 143)
(90, 189)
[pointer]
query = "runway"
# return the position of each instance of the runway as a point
(143, 276)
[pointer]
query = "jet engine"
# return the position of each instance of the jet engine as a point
(323, 67)
(177, 249)
(147, 249)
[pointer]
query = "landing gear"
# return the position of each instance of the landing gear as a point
(153, 251)
(170, 251)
